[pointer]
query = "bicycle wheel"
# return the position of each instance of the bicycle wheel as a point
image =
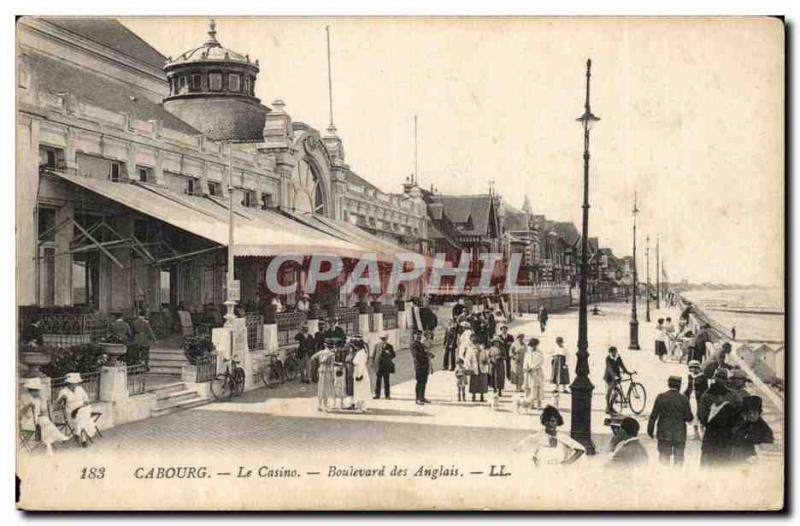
(221, 387)
(637, 398)
(270, 375)
(291, 368)
(617, 400)
(238, 381)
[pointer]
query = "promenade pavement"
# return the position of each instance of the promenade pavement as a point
(288, 417)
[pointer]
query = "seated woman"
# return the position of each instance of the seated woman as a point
(34, 415)
(78, 408)
(551, 447)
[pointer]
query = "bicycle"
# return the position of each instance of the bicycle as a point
(228, 383)
(276, 371)
(635, 397)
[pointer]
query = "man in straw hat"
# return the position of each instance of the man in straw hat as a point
(671, 412)
(78, 408)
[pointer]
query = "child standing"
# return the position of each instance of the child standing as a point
(697, 384)
(461, 380)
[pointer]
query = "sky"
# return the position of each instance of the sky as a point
(691, 118)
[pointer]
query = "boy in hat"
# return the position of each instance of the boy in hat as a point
(696, 383)
(750, 431)
(671, 412)
(612, 375)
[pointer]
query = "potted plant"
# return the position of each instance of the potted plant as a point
(83, 358)
(114, 347)
(33, 357)
(197, 349)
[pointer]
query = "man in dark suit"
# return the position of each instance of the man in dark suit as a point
(382, 362)
(450, 344)
(422, 366)
(320, 335)
(306, 346)
(671, 412)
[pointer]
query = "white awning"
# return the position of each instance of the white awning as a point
(256, 232)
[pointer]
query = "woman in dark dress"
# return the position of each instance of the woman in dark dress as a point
(476, 360)
(352, 348)
(719, 413)
(497, 358)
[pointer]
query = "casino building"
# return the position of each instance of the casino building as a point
(124, 160)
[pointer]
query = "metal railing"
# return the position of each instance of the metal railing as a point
(389, 316)
(206, 368)
(91, 384)
(348, 319)
(68, 329)
(137, 379)
(289, 324)
(255, 331)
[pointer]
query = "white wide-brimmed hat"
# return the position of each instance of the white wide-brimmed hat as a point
(33, 383)
(73, 378)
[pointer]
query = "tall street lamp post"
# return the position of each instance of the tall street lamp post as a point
(634, 343)
(230, 294)
(647, 287)
(582, 387)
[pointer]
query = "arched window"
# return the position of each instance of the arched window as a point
(306, 193)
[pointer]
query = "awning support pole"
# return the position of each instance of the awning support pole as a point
(99, 245)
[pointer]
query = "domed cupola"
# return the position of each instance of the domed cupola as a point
(212, 89)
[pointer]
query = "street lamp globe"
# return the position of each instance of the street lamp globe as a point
(587, 120)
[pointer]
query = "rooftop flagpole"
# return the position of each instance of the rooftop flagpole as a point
(330, 77)
(416, 175)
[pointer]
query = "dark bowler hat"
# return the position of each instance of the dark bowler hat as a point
(721, 374)
(674, 382)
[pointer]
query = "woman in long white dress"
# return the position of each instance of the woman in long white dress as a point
(551, 447)
(533, 383)
(33, 415)
(78, 408)
(362, 389)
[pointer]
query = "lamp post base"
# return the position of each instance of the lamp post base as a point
(581, 423)
(634, 341)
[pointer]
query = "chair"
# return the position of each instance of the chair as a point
(187, 327)
(27, 439)
(62, 423)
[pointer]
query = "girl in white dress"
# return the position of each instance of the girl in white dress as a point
(362, 390)
(78, 408)
(33, 414)
(551, 447)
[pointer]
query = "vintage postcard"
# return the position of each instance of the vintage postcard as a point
(270, 263)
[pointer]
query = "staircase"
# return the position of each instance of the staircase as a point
(166, 361)
(171, 398)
